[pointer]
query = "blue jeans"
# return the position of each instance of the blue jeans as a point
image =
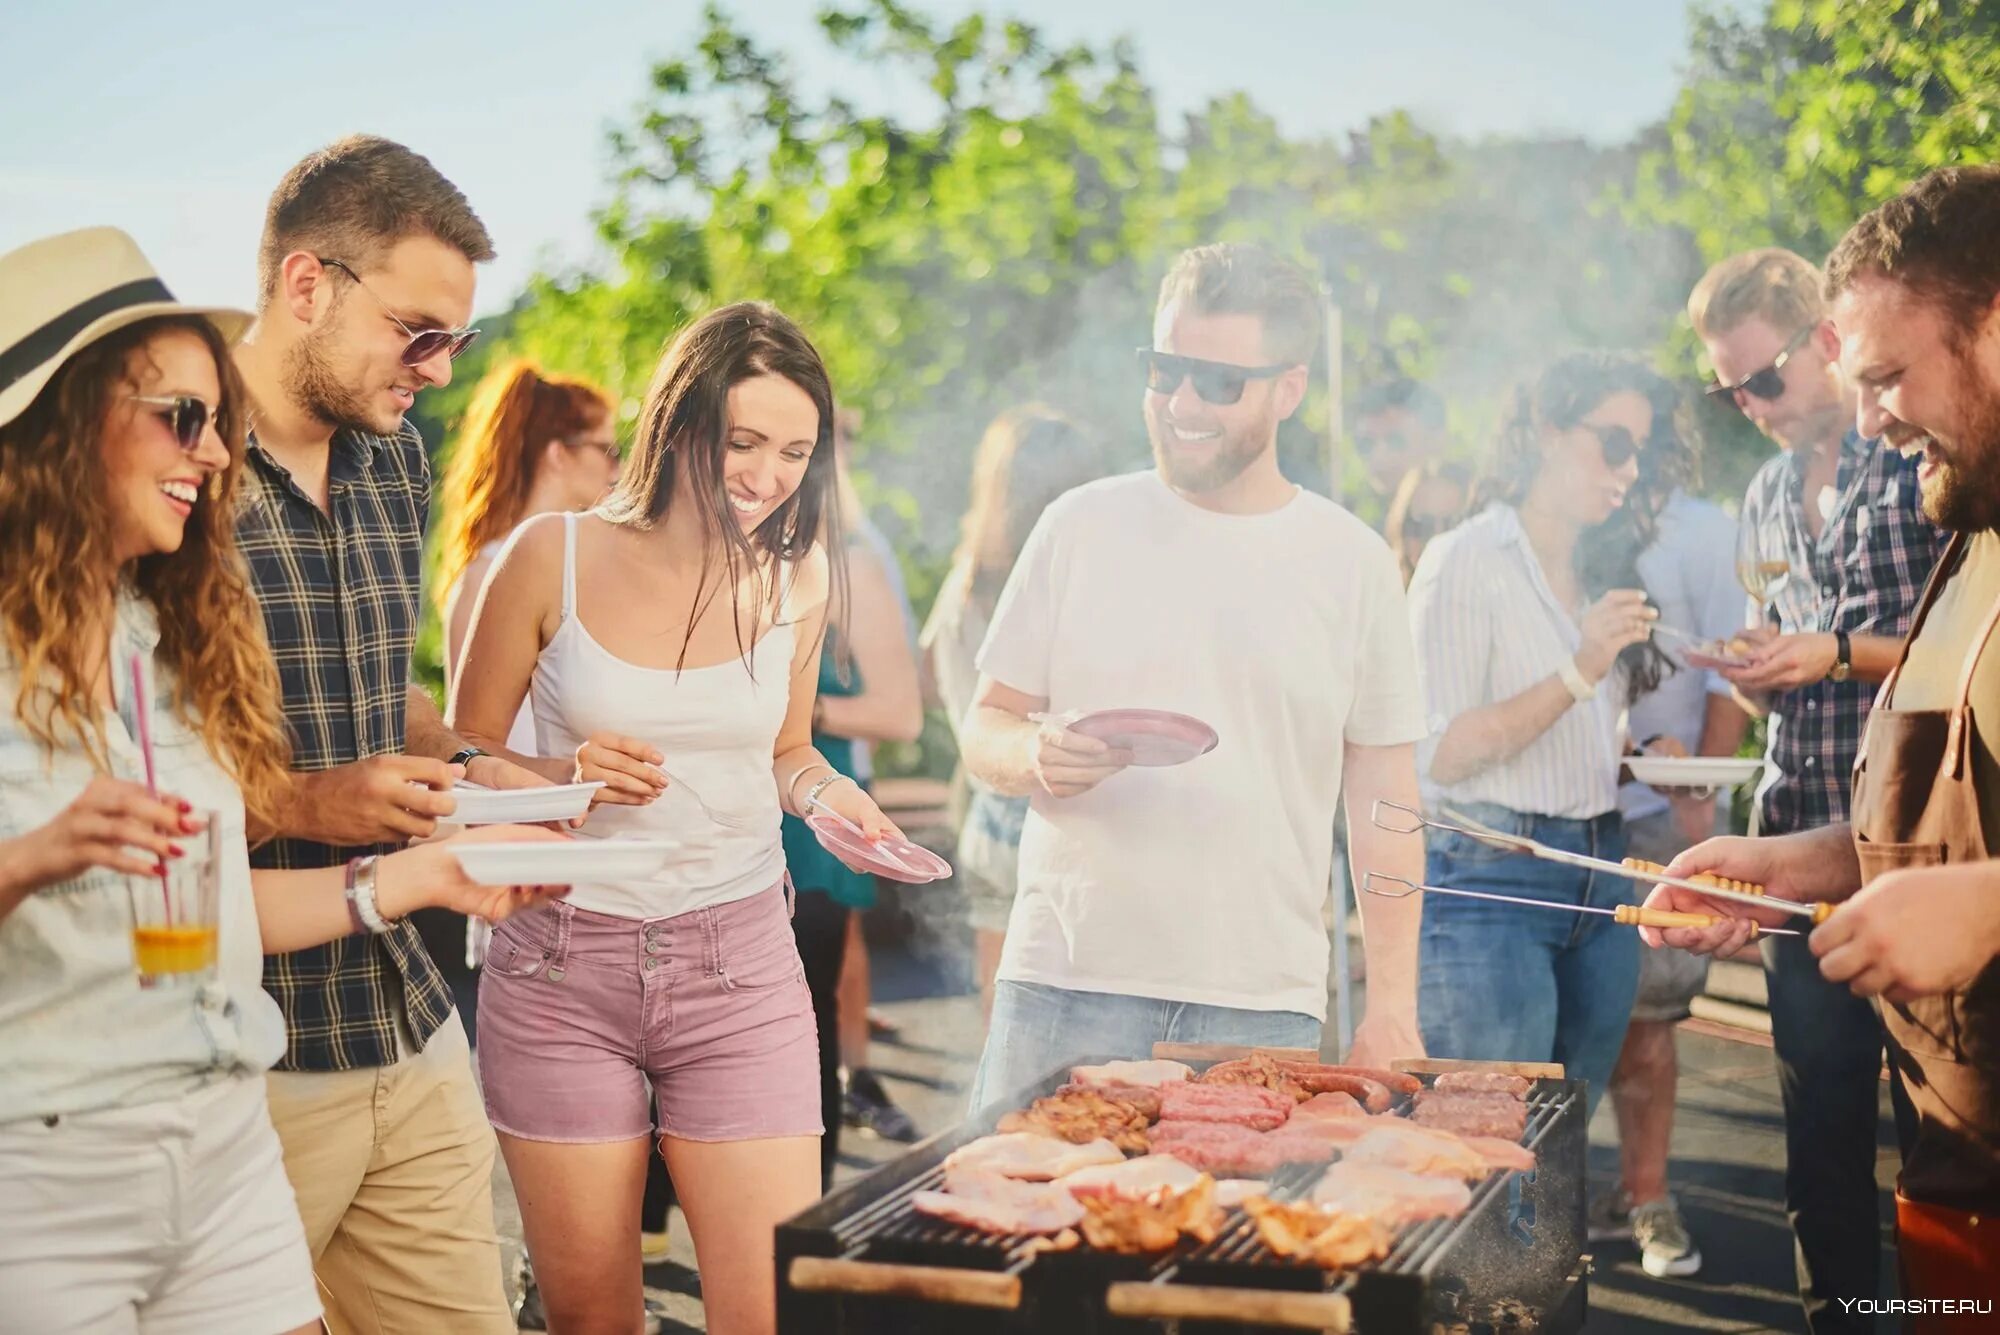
(1037, 1028)
(1506, 982)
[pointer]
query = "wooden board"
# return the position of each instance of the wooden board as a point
(1442, 1065)
(967, 1288)
(1226, 1052)
(1328, 1312)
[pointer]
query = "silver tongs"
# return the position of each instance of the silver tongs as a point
(1406, 820)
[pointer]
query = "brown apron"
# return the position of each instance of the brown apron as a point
(1915, 805)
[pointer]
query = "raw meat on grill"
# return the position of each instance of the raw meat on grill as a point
(1081, 1117)
(1326, 1238)
(1231, 1192)
(1144, 1098)
(1132, 1180)
(1471, 1114)
(1298, 1145)
(1318, 1077)
(1258, 1070)
(1218, 1147)
(1153, 1073)
(1031, 1157)
(1483, 1082)
(1341, 1130)
(1390, 1195)
(1416, 1149)
(1155, 1223)
(992, 1203)
(1247, 1105)
(1500, 1153)
(1329, 1105)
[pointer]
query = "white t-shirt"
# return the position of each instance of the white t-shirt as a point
(1285, 632)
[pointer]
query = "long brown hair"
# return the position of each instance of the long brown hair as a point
(59, 581)
(1029, 455)
(516, 410)
(684, 425)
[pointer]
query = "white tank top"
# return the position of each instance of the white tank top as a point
(717, 727)
(520, 737)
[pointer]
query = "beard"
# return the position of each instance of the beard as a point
(1963, 493)
(317, 389)
(1234, 452)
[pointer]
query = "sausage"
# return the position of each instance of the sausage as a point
(1397, 1081)
(1373, 1094)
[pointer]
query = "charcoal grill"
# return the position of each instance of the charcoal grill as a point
(863, 1262)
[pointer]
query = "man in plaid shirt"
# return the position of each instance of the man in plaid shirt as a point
(366, 277)
(1842, 516)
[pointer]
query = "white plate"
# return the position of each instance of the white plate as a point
(1693, 771)
(572, 862)
(506, 806)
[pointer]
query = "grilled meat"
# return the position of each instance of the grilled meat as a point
(1247, 1105)
(1305, 1232)
(992, 1203)
(1031, 1157)
(1482, 1082)
(1389, 1195)
(1154, 1223)
(1153, 1073)
(1081, 1117)
(1416, 1149)
(1135, 1179)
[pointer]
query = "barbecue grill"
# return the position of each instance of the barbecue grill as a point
(863, 1262)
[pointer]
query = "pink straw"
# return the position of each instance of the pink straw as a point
(142, 712)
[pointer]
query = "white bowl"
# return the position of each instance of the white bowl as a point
(519, 806)
(1694, 771)
(572, 862)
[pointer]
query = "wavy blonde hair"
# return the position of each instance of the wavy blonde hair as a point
(59, 581)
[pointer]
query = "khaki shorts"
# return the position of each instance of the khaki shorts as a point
(1669, 979)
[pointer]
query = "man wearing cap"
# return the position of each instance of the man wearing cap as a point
(1915, 292)
(365, 284)
(1186, 903)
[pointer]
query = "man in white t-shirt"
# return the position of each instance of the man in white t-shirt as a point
(1186, 904)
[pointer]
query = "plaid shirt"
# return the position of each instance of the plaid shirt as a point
(1864, 575)
(339, 593)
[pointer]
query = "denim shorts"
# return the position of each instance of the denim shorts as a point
(580, 1012)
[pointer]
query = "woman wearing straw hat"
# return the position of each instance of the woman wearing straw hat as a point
(144, 1185)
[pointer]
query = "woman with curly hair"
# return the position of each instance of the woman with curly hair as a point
(144, 1182)
(1533, 633)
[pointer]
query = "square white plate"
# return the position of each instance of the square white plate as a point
(527, 806)
(1694, 771)
(569, 863)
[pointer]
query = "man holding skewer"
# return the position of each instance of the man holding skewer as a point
(1915, 287)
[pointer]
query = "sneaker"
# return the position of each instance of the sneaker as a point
(1610, 1217)
(654, 1248)
(867, 1106)
(1665, 1249)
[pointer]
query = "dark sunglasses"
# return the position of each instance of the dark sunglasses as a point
(1617, 443)
(1219, 383)
(185, 415)
(1766, 384)
(424, 344)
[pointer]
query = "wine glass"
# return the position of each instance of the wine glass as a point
(1761, 576)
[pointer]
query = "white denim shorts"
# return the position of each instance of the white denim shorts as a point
(168, 1218)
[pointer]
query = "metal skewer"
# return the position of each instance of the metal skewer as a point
(1632, 915)
(1412, 820)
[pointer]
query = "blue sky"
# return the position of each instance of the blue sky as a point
(174, 121)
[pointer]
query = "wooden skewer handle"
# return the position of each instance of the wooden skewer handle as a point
(1632, 915)
(966, 1288)
(1329, 1312)
(1703, 877)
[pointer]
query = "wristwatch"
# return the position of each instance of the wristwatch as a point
(464, 756)
(1843, 657)
(362, 913)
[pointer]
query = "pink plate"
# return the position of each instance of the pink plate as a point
(896, 859)
(1153, 736)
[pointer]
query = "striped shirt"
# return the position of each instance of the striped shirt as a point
(1864, 575)
(339, 590)
(1487, 627)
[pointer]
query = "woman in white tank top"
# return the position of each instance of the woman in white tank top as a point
(669, 644)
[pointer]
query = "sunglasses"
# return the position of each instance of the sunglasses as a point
(1617, 443)
(185, 415)
(1219, 383)
(424, 344)
(608, 448)
(1766, 384)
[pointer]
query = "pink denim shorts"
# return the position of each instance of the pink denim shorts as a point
(578, 1011)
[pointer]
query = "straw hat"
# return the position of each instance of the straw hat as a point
(63, 293)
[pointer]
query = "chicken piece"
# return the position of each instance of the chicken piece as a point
(1231, 1192)
(992, 1203)
(1329, 1105)
(1388, 1195)
(1482, 1082)
(1304, 1232)
(1416, 1149)
(1031, 1157)
(1258, 1070)
(1135, 1179)
(1499, 1153)
(1154, 1223)
(1150, 1073)
(1143, 1099)
(1080, 1117)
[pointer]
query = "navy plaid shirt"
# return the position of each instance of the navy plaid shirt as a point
(339, 591)
(1864, 575)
